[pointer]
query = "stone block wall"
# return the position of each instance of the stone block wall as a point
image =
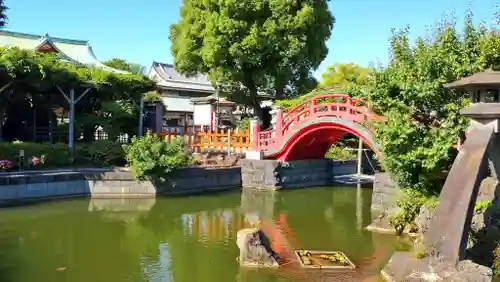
(102, 183)
(385, 193)
(272, 175)
(113, 183)
(308, 173)
(261, 174)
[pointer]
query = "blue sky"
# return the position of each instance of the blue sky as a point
(138, 30)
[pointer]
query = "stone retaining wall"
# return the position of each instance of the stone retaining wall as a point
(267, 174)
(385, 193)
(272, 175)
(113, 183)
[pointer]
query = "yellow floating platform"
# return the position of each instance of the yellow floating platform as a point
(324, 259)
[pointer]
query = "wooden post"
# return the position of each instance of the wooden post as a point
(141, 117)
(71, 137)
(229, 141)
(360, 156)
(254, 133)
(215, 136)
(2, 89)
(72, 101)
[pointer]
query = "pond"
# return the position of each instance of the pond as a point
(184, 239)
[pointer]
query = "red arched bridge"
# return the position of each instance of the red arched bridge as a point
(308, 130)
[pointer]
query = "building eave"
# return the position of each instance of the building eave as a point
(90, 57)
(179, 86)
(158, 72)
(47, 40)
(39, 37)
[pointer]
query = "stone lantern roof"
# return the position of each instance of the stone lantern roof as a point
(484, 88)
(480, 80)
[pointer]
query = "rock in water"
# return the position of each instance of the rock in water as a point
(255, 248)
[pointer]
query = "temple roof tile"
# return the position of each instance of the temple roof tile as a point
(73, 50)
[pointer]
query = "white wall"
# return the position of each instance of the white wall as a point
(202, 114)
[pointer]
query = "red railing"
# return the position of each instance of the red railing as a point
(330, 105)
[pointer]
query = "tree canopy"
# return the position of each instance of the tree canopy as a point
(337, 78)
(121, 64)
(253, 46)
(417, 145)
(341, 75)
(3, 15)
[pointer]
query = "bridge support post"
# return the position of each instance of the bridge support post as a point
(255, 153)
(360, 157)
(276, 119)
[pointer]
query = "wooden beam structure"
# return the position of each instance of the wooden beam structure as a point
(72, 100)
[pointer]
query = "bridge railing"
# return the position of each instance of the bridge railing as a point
(332, 105)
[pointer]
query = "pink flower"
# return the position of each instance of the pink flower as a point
(35, 160)
(5, 164)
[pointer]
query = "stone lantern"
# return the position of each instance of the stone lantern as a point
(446, 237)
(484, 91)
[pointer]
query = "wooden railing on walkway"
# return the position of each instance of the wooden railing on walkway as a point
(222, 141)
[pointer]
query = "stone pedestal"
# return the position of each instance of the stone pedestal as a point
(255, 249)
(260, 174)
(254, 155)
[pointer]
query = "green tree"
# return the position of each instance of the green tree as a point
(341, 75)
(3, 15)
(422, 119)
(121, 64)
(253, 46)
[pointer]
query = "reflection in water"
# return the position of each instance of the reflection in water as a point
(185, 239)
(218, 225)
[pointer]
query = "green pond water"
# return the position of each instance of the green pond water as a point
(183, 239)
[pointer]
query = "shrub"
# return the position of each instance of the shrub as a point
(496, 261)
(481, 206)
(54, 155)
(340, 154)
(98, 153)
(243, 124)
(152, 157)
(410, 204)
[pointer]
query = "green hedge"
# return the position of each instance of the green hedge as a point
(96, 154)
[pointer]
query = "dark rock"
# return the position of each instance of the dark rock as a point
(255, 249)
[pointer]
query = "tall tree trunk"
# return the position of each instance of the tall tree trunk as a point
(254, 98)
